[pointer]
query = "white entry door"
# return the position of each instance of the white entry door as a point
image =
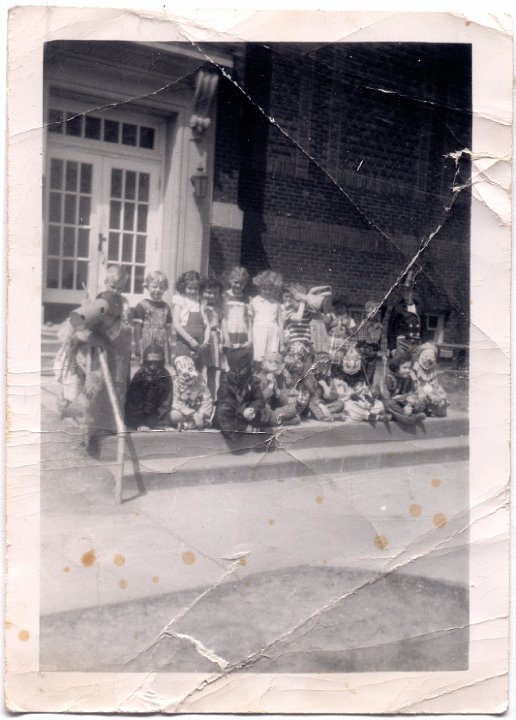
(101, 208)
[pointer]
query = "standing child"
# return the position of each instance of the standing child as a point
(152, 317)
(115, 281)
(267, 316)
(297, 316)
(370, 340)
(189, 318)
(342, 327)
(236, 321)
(210, 294)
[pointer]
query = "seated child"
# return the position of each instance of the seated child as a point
(325, 403)
(149, 397)
(296, 383)
(192, 405)
(272, 381)
(152, 317)
(340, 331)
(400, 397)
(210, 297)
(297, 316)
(369, 337)
(362, 402)
(236, 320)
(189, 318)
(266, 315)
(240, 401)
(428, 387)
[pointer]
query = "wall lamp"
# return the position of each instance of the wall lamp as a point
(200, 182)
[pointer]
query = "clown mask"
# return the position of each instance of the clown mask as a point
(352, 361)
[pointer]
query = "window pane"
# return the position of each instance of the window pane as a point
(129, 272)
(54, 233)
(139, 273)
(114, 214)
(92, 130)
(56, 174)
(116, 183)
(127, 248)
(130, 185)
(70, 213)
(83, 249)
(129, 134)
(53, 273)
(69, 242)
(128, 216)
(82, 275)
(111, 131)
(143, 187)
(67, 279)
(84, 210)
(71, 176)
(147, 138)
(86, 173)
(73, 124)
(55, 207)
(140, 249)
(142, 218)
(113, 246)
(55, 122)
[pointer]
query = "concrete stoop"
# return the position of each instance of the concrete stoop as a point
(163, 459)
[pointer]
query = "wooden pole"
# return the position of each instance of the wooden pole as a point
(120, 427)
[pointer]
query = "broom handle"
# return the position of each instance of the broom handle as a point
(120, 427)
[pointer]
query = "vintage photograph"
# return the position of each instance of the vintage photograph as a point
(255, 354)
(258, 361)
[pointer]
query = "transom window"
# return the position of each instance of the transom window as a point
(94, 127)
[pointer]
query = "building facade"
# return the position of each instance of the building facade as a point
(334, 164)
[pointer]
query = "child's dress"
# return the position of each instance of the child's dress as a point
(213, 357)
(267, 322)
(193, 319)
(235, 313)
(341, 329)
(155, 318)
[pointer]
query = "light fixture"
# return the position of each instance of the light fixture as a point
(200, 182)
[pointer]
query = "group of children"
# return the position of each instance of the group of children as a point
(237, 364)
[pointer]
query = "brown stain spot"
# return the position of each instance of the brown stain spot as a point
(391, 453)
(439, 520)
(435, 482)
(123, 584)
(24, 635)
(119, 560)
(66, 569)
(247, 583)
(155, 579)
(381, 542)
(242, 561)
(415, 510)
(324, 562)
(89, 558)
(7, 625)
(271, 521)
(468, 23)
(188, 557)
(319, 499)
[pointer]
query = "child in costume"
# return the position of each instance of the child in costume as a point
(210, 296)
(369, 339)
(297, 385)
(340, 331)
(404, 328)
(325, 404)
(152, 317)
(240, 401)
(428, 388)
(192, 406)
(189, 319)
(236, 320)
(96, 326)
(149, 397)
(297, 316)
(278, 410)
(362, 402)
(266, 316)
(400, 397)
